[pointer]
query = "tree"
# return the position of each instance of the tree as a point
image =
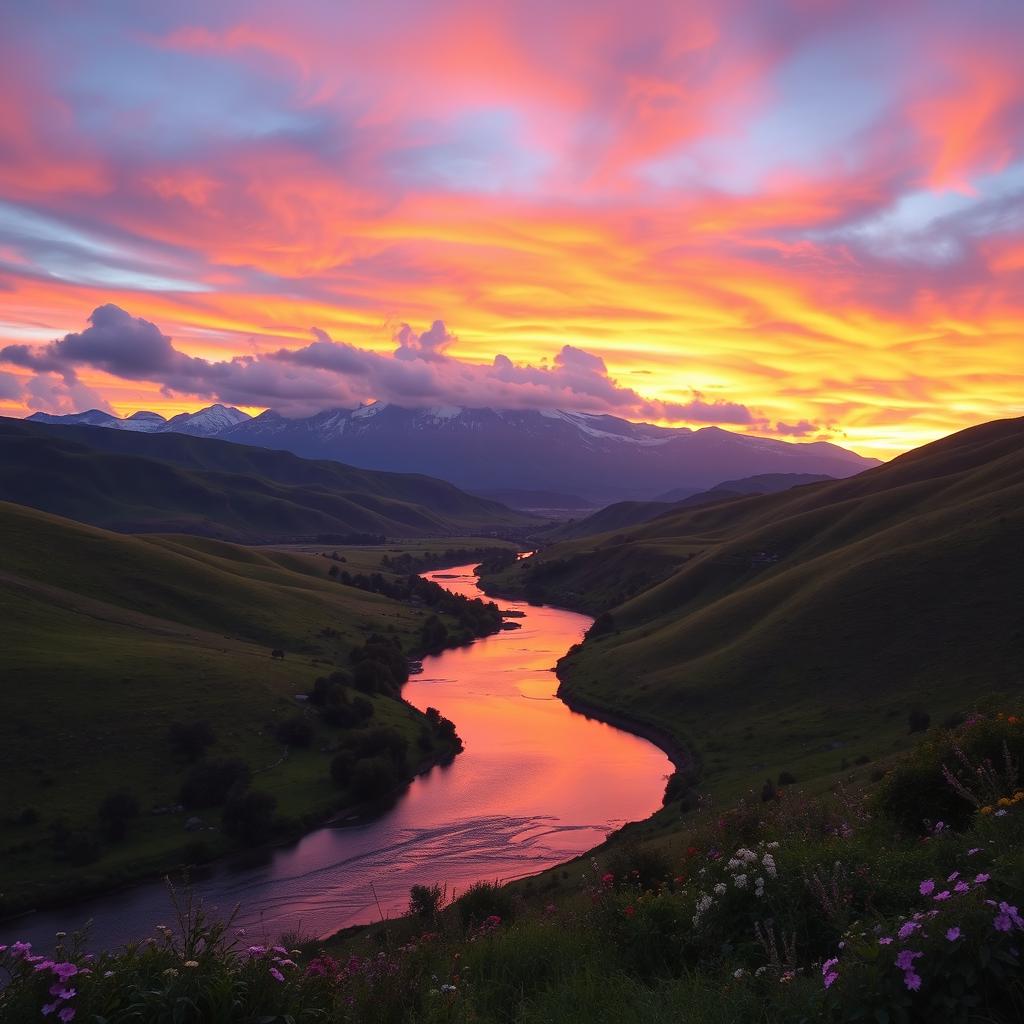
(295, 731)
(209, 782)
(190, 739)
(115, 812)
(249, 816)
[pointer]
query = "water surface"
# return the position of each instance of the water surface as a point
(536, 785)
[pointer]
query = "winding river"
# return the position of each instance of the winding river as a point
(536, 785)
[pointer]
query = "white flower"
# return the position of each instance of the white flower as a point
(191, 963)
(760, 971)
(769, 865)
(734, 864)
(741, 881)
(773, 846)
(720, 889)
(739, 973)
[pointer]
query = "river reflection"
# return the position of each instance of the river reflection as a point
(536, 785)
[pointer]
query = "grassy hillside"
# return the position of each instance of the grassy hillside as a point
(134, 482)
(109, 639)
(791, 632)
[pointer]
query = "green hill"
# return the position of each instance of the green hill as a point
(792, 630)
(133, 482)
(109, 639)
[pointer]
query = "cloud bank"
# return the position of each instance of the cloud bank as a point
(328, 373)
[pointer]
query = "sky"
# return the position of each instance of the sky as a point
(799, 219)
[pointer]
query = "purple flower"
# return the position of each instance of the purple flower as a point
(944, 895)
(67, 1014)
(65, 970)
(61, 992)
(927, 887)
(829, 964)
(256, 950)
(974, 849)
(885, 940)
(953, 934)
(961, 887)
(905, 959)
(1007, 918)
(908, 929)
(953, 877)
(1002, 923)
(912, 980)
(982, 878)
(830, 979)
(276, 974)
(48, 1008)
(20, 949)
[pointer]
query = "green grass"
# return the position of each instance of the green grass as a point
(109, 639)
(795, 631)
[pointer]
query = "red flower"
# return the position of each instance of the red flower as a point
(629, 911)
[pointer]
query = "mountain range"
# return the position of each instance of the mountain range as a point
(599, 457)
(136, 482)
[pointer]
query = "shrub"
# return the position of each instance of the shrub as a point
(374, 778)
(295, 731)
(485, 900)
(425, 900)
(381, 742)
(341, 768)
(209, 782)
(190, 739)
(115, 812)
(249, 816)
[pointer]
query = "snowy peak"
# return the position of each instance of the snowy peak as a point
(208, 422)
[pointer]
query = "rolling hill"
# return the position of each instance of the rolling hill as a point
(109, 639)
(141, 482)
(767, 633)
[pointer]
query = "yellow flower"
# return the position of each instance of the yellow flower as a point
(986, 810)
(1004, 802)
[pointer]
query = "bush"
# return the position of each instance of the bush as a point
(425, 900)
(190, 739)
(382, 742)
(295, 731)
(249, 816)
(484, 900)
(373, 778)
(115, 812)
(341, 768)
(209, 782)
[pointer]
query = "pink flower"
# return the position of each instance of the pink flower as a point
(827, 966)
(912, 980)
(953, 934)
(607, 879)
(65, 970)
(276, 974)
(905, 959)
(961, 887)
(944, 895)
(20, 949)
(908, 929)
(982, 878)
(830, 979)
(927, 887)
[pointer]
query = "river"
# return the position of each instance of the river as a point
(536, 785)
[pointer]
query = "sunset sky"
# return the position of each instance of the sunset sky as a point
(800, 219)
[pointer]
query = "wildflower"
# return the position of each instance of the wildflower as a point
(953, 877)
(926, 888)
(985, 810)
(905, 959)
(908, 929)
(607, 879)
(448, 988)
(739, 973)
(768, 861)
(1003, 801)
(108, 974)
(740, 881)
(961, 887)
(973, 850)
(190, 963)
(885, 940)
(912, 980)
(65, 970)
(171, 972)
(256, 950)
(981, 878)
(276, 974)
(720, 889)
(944, 895)
(953, 934)
(829, 964)
(830, 979)
(629, 911)
(1000, 813)
(760, 971)
(773, 845)
(1007, 918)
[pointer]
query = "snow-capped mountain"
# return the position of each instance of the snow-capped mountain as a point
(598, 456)
(208, 422)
